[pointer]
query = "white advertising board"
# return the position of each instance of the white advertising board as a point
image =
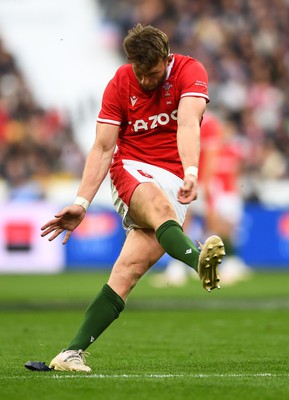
(22, 249)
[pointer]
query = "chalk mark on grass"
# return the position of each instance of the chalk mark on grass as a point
(143, 376)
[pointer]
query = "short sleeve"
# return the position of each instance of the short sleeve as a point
(110, 112)
(194, 80)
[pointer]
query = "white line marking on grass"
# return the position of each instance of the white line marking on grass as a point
(165, 376)
(50, 375)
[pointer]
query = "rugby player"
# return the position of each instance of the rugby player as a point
(148, 137)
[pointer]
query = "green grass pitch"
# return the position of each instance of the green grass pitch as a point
(169, 343)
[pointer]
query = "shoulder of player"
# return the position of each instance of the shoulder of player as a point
(185, 61)
(123, 72)
(120, 79)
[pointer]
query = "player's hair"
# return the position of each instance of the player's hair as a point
(146, 45)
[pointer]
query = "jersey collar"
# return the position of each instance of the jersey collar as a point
(170, 67)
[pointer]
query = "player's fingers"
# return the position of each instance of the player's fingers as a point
(52, 222)
(184, 199)
(48, 230)
(55, 220)
(55, 234)
(61, 213)
(51, 227)
(66, 237)
(186, 196)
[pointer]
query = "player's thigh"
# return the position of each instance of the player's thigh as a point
(150, 207)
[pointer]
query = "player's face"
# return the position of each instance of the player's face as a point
(152, 78)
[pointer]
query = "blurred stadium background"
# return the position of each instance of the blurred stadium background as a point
(56, 57)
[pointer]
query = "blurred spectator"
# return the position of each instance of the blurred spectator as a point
(36, 145)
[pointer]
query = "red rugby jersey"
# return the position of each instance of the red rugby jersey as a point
(148, 119)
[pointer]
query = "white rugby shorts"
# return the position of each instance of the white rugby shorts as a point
(126, 175)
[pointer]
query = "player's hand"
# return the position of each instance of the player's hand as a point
(189, 191)
(66, 220)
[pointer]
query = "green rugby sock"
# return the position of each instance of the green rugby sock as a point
(104, 309)
(172, 238)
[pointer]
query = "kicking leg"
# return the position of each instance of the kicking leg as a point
(149, 205)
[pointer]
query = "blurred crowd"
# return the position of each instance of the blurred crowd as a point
(36, 145)
(244, 45)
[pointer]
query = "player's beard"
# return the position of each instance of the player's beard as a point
(155, 85)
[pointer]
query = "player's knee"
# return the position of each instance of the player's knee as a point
(165, 210)
(131, 272)
(137, 270)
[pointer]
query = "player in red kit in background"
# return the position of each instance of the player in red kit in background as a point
(148, 136)
(226, 202)
(219, 205)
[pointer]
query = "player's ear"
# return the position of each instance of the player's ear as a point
(170, 58)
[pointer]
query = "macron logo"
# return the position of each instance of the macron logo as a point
(189, 251)
(133, 100)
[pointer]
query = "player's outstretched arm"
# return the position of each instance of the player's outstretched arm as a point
(95, 170)
(66, 220)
